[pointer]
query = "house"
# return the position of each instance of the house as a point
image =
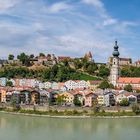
(44, 96)
(63, 58)
(133, 81)
(9, 96)
(137, 63)
(3, 95)
(119, 97)
(68, 97)
(41, 85)
(90, 99)
(94, 84)
(54, 86)
(137, 96)
(35, 97)
(3, 81)
(75, 84)
(109, 99)
(131, 98)
(47, 85)
(100, 99)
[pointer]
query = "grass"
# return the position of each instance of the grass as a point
(88, 77)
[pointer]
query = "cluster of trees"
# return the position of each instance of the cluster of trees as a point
(56, 73)
(105, 85)
(130, 71)
(91, 67)
(24, 58)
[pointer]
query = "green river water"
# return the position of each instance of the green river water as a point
(17, 127)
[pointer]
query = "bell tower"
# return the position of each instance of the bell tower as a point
(114, 75)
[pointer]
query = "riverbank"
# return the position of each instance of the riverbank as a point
(71, 114)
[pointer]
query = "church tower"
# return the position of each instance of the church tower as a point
(114, 75)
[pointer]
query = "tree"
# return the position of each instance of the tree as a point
(76, 101)
(104, 85)
(24, 59)
(136, 109)
(128, 88)
(124, 102)
(41, 54)
(92, 68)
(104, 72)
(60, 100)
(11, 57)
(9, 83)
(31, 56)
(111, 86)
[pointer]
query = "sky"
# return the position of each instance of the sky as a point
(70, 27)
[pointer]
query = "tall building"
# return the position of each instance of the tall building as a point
(118, 81)
(114, 75)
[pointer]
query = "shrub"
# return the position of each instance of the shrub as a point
(136, 109)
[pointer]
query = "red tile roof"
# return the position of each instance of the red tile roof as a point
(129, 80)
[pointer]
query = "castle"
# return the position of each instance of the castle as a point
(115, 78)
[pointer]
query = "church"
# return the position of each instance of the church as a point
(115, 77)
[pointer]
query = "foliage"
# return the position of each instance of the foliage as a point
(60, 100)
(128, 88)
(9, 83)
(24, 59)
(104, 71)
(76, 101)
(11, 57)
(41, 54)
(104, 85)
(136, 108)
(130, 71)
(124, 102)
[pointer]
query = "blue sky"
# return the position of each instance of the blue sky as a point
(70, 27)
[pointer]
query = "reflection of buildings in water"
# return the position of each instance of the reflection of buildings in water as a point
(2, 122)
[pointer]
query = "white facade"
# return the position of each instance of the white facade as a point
(70, 85)
(114, 71)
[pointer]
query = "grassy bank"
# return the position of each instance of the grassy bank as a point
(71, 113)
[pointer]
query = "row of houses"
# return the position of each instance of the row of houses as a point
(63, 86)
(86, 97)
(101, 98)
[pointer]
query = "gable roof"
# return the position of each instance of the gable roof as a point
(129, 80)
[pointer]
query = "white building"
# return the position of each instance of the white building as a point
(71, 84)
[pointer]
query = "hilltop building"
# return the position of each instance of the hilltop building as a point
(89, 56)
(122, 61)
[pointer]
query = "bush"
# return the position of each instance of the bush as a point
(75, 112)
(136, 109)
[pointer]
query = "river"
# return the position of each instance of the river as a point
(17, 127)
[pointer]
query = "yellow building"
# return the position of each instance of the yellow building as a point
(68, 97)
(3, 95)
(94, 84)
(100, 99)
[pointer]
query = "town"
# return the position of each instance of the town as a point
(101, 84)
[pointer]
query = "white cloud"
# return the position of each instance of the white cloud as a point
(96, 3)
(57, 7)
(109, 21)
(6, 4)
(72, 33)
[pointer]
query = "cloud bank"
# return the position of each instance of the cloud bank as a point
(63, 27)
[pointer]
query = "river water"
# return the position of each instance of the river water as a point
(17, 127)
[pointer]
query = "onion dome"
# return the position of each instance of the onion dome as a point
(116, 52)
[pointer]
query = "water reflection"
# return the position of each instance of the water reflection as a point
(15, 127)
